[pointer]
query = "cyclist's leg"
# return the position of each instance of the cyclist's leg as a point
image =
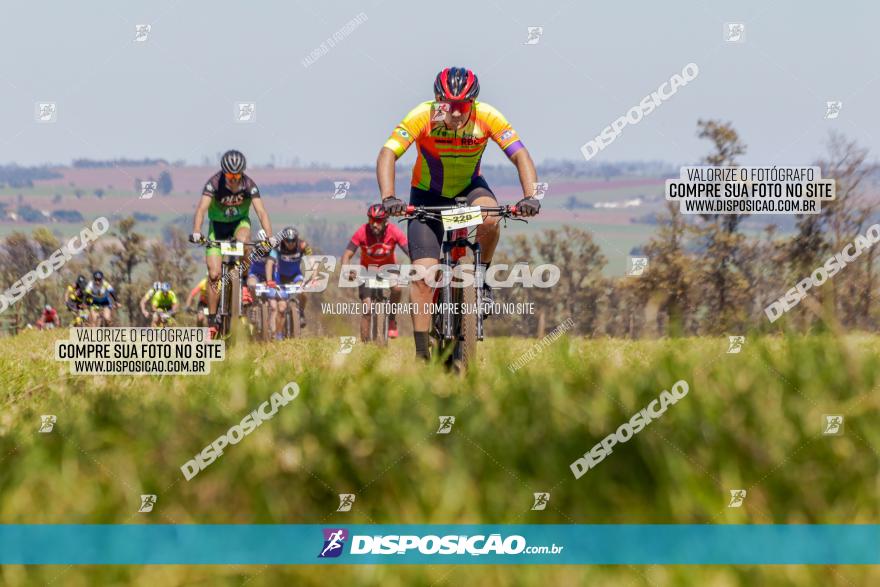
(273, 316)
(213, 261)
(396, 294)
(299, 278)
(479, 194)
(282, 310)
(424, 248)
(243, 234)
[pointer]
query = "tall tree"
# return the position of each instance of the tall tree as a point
(164, 184)
(719, 242)
(666, 284)
(126, 255)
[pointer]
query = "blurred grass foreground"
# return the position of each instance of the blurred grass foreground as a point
(366, 423)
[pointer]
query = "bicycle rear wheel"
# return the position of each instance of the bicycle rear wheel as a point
(379, 322)
(224, 306)
(465, 352)
(234, 293)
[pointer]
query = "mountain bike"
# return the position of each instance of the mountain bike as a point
(81, 318)
(283, 292)
(165, 319)
(229, 304)
(97, 318)
(290, 293)
(458, 325)
(259, 312)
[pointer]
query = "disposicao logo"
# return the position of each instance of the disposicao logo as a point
(334, 541)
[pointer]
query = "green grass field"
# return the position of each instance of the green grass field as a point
(366, 422)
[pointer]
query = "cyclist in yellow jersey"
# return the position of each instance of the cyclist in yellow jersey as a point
(200, 291)
(157, 286)
(163, 301)
(451, 133)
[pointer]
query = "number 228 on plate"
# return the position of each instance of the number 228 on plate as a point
(461, 217)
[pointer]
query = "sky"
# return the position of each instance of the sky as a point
(175, 95)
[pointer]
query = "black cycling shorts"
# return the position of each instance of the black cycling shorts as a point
(425, 238)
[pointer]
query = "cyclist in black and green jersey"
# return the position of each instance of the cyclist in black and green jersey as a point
(227, 200)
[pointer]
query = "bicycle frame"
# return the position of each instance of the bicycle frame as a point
(378, 295)
(459, 328)
(454, 248)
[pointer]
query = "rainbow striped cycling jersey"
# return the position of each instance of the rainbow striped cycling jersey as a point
(448, 160)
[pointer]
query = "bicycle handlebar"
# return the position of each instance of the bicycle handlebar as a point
(206, 242)
(502, 211)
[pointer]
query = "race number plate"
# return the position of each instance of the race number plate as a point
(260, 289)
(292, 288)
(461, 217)
(375, 283)
(235, 249)
(205, 311)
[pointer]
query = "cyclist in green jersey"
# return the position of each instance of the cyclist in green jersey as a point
(227, 200)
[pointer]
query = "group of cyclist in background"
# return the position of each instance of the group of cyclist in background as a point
(91, 303)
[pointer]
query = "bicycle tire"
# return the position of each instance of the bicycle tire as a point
(379, 323)
(223, 303)
(235, 294)
(465, 353)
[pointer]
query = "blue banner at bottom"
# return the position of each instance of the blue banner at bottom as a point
(574, 544)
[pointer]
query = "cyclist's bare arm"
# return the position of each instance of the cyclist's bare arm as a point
(257, 203)
(347, 256)
(144, 301)
(270, 269)
(385, 172)
(310, 267)
(526, 169)
(199, 216)
(191, 297)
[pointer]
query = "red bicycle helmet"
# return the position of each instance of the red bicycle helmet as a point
(456, 83)
(377, 212)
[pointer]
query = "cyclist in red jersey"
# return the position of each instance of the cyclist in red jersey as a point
(376, 240)
(49, 318)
